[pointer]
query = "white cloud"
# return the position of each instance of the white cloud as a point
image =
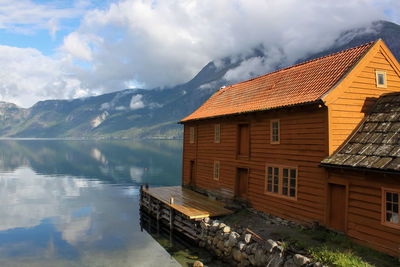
(136, 102)
(27, 76)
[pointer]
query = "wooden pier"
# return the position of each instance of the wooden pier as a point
(180, 208)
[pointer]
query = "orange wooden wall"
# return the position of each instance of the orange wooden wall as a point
(359, 92)
(364, 208)
(303, 144)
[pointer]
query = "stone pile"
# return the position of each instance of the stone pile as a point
(239, 247)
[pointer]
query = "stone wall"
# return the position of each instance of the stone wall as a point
(239, 247)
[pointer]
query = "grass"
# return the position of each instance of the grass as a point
(335, 249)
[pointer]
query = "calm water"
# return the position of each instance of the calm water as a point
(75, 203)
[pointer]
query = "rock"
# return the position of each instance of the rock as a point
(260, 257)
(233, 239)
(270, 245)
(318, 264)
(220, 245)
(244, 262)
(254, 249)
(300, 260)
(204, 225)
(236, 254)
(275, 260)
(247, 238)
(289, 263)
(252, 259)
(215, 241)
(206, 219)
(227, 229)
(218, 252)
(214, 226)
(222, 225)
(198, 264)
(202, 244)
(241, 245)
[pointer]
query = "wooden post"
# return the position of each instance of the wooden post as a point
(171, 200)
(141, 195)
(147, 185)
(171, 219)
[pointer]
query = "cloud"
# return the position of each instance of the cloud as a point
(165, 43)
(136, 102)
(25, 16)
(28, 76)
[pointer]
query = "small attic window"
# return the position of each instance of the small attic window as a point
(381, 78)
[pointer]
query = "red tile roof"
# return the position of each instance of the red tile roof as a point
(299, 84)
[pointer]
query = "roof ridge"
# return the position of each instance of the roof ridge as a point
(301, 63)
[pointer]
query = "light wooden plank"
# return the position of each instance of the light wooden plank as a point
(188, 202)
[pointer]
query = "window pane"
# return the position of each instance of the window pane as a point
(276, 180)
(395, 197)
(292, 192)
(388, 196)
(285, 172)
(270, 171)
(396, 208)
(380, 79)
(293, 183)
(395, 218)
(292, 173)
(269, 188)
(388, 216)
(388, 206)
(285, 191)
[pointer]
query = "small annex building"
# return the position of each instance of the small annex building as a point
(366, 169)
(283, 142)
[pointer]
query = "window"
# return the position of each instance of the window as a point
(274, 132)
(216, 170)
(191, 135)
(381, 78)
(390, 207)
(217, 133)
(281, 180)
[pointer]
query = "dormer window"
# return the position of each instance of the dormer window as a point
(381, 78)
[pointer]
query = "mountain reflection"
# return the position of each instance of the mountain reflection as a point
(131, 162)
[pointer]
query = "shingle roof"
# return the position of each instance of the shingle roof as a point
(302, 83)
(376, 142)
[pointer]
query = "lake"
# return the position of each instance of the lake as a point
(75, 203)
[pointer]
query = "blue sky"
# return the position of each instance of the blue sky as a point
(68, 49)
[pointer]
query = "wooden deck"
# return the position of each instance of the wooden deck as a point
(188, 202)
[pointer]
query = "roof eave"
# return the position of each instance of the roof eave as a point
(318, 101)
(365, 169)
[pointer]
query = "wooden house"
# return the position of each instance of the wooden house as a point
(263, 140)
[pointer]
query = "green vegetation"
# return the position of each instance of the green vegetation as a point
(335, 249)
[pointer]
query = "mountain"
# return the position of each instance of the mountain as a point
(153, 113)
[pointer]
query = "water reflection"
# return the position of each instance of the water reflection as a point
(76, 203)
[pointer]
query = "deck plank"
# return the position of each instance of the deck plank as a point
(188, 202)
